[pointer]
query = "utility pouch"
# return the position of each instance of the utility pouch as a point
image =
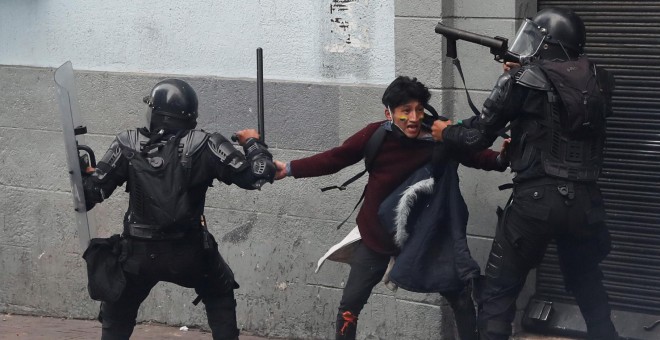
(105, 276)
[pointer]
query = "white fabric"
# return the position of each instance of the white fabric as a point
(342, 251)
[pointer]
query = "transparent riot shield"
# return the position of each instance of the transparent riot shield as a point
(74, 130)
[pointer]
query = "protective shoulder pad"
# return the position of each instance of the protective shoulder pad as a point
(225, 151)
(193, 141)
(373, 146)
(190, 144)
(532, 77)
(132, 139)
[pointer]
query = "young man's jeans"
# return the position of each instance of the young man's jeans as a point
(367, 270)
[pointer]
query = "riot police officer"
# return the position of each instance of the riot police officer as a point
(557, 102)
(168, 167)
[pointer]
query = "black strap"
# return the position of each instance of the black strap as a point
(373, 146)
(457, 63)
(197, 300)
(432, 110)
(354, 208)
(370, 152)
(343, 185)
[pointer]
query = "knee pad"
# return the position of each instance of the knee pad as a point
(219, 281)
(220, 301)
(502, 261)
(506, 262)
(572, 281)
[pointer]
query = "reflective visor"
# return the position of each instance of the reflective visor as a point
(528, 40)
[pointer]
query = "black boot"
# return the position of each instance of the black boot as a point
(346, 326)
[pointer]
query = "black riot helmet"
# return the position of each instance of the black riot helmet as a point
(553, 33)
(172, 106)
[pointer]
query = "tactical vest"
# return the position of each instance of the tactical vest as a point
(160, 197)
(569, 136)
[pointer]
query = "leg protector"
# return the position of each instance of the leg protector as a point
(464, 314)
(497, 301)
(118, 318)
(592, 299)
(346, 327)
(221, 315)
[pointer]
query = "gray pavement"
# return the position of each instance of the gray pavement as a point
(22, 327)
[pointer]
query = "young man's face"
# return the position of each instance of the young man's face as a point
(408, 117)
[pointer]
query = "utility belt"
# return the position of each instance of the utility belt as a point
(564, 186)
(155, 232)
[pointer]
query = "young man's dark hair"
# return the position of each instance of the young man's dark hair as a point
(404, 149)
(404, 89)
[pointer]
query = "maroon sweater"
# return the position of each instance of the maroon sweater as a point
(397, 159)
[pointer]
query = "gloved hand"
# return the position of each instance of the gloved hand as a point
(85, 168)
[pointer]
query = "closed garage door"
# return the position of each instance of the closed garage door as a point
(624, 37)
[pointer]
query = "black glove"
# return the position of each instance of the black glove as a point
(84, 164)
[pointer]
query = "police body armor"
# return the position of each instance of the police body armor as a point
(162, 205)
(569, 136)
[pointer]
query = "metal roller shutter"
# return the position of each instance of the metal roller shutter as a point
(624, 37)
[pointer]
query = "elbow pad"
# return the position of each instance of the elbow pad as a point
(226, 152)
(261, 162)
(108, 163)
(498, 101)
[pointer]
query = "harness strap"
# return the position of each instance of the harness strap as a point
(370, 151)
(343, 185)
(502, 133)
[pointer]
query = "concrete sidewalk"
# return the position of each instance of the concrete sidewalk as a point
(24, 327)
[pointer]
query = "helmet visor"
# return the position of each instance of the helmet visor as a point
(147, 114)
(528, 40)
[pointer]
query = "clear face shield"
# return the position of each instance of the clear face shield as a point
(528, 41)
(147, 113)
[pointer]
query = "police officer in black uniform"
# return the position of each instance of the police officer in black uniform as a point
(168, 166)
(557, 102)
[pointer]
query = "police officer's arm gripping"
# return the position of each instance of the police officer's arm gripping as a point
(110, 172)
(250, 170)
(478, 133)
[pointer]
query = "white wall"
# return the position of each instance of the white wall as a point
(303, 40)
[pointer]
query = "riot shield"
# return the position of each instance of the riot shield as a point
(74, 130)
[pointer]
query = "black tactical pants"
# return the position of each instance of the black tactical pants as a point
(540, 210)
(367, 270)
(183, 262)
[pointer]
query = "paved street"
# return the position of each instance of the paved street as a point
(22, 327)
